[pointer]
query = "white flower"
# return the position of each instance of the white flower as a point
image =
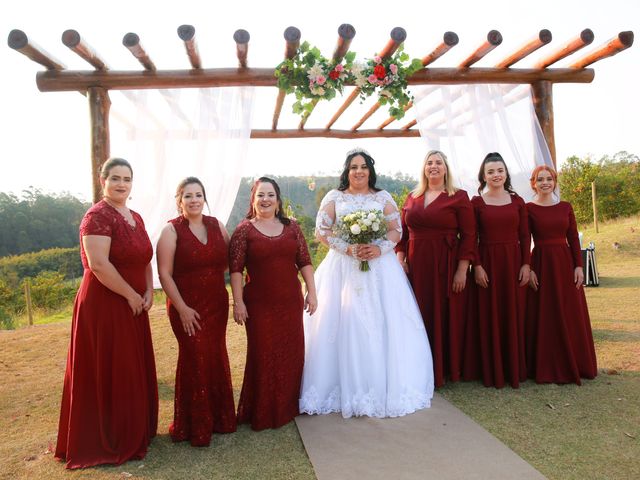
(317, 91)
(357, 69)
(371, 216)
(361, 81)
(367, 222)
(315, 71)
(355, 229)
(375, 227)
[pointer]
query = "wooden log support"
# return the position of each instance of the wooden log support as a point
(19, 41)
(99, 105)
(72, 39)
(330, 133)
(187, 34)
(70, 80)
(449, 40)
(494, 38)
(27, 300)
(292, 42)
(242, 38)
(572, 46)
(617, 44)
(345, 34)
(397, 36)
(540, 40)
(132, 42)
(542, 92)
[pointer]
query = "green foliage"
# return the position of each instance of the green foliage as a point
(37, 221)
(401, 196)
(65, 261)
(50, 291)
(617, 182)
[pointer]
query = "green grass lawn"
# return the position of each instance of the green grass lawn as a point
(587, 432)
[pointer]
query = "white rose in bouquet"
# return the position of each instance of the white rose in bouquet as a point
(355, 229)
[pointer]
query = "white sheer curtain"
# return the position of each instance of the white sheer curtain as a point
(468, 121)
(168, 135)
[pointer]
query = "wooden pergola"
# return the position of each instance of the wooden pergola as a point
(97, 83)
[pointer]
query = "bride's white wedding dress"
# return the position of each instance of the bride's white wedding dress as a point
(367, 351)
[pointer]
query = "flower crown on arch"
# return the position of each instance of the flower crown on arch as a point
(359, 150)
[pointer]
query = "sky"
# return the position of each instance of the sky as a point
(44, 137)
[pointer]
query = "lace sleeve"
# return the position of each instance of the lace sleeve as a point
(325, 221)
(95, 222)
(394, 226)
(238, 249)
(302, 255)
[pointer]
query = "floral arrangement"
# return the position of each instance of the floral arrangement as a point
(312, 77)
(361, 227)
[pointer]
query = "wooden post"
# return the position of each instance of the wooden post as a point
(99, 105)
(595, 207)
(543, 105)
(27, 297)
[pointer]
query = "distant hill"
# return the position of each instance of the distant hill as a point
(306, 193)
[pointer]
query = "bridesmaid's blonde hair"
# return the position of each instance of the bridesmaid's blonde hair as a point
(423, 185)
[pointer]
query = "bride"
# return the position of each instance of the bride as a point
(366, 349)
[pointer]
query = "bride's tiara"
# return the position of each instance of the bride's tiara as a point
(358, 150)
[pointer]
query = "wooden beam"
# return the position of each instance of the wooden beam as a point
(572, 46)
(187, 34)
(617, 44)
(397, 36)
(543, 37)
(132, 42)
(452, 76)
(99, 105)
(242, 38)
(71, 39)
(19, 41)
(292, 42)
(494, 38)
(329, 133)
(449, 40)
(543, 104)
(345, 34)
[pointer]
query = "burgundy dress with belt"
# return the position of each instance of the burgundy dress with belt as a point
(275, 334)
(435, 238)
(559, 341)
(203, 396)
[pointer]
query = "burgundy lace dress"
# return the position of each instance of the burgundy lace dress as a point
(275, 335)
(109, 410)
(204, 396)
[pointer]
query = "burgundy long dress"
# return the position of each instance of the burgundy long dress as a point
(203, 396)
(109, 411)
(435, 238)
(504, 246)
(275, 335)
(559, 341)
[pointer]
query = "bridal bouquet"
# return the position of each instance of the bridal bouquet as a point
(361, 226)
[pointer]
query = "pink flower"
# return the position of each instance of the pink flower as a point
(394, 68)
(377, 59)
(339, 68)
(372, 79)
(321, 79)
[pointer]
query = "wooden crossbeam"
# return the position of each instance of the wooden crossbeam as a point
(397, 36)
(617, 44)
(543, 38)
(449, 40)
(330, 133)
(132, 42)
(292, 42)
(345, 34)
(572, 46)
(242, 38)
(494, 38)
(19, 41)
(187, 34)
(72, 39)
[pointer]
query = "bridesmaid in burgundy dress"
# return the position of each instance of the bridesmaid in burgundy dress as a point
(501, 271)
(437, 246)
(270, 305)
(559, 341)
(192, 258)
(109, 410)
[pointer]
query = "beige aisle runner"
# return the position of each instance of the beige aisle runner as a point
(436, 443)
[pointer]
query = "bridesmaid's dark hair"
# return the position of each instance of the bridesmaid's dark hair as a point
(279, 212)
(494, 157)
(344, 176)
(114, 162)
(181, 187)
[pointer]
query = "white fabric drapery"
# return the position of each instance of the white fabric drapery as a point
(468, 121)
(168, 135)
